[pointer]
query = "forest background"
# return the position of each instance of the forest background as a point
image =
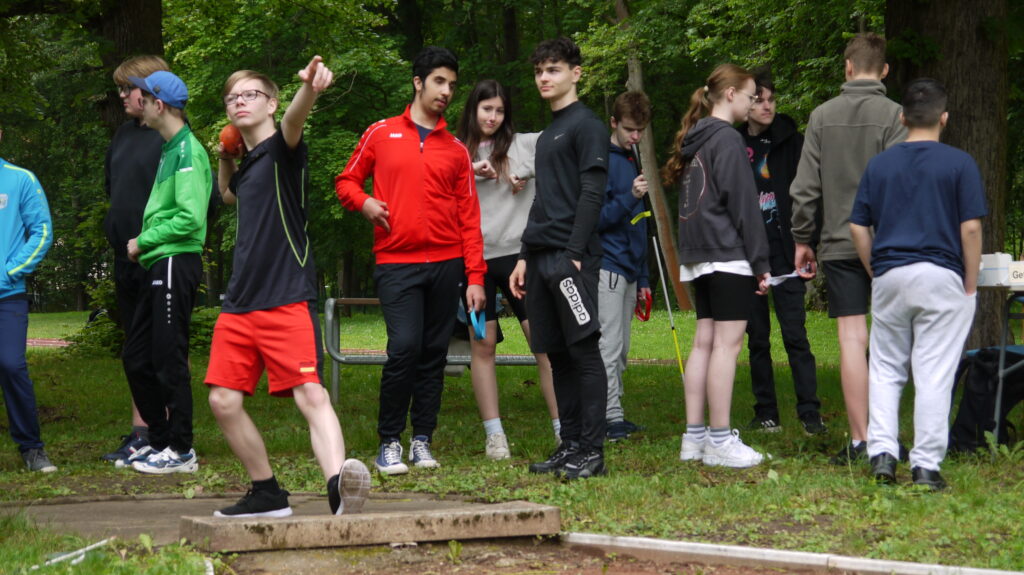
(59, 106)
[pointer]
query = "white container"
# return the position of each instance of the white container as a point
(995, 269)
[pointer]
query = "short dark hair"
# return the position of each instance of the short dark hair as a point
(559, 49)
(867, 53)
(763, 80)
(634, 105)
(431, 58)
(923, 103)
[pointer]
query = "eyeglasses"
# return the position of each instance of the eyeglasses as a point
(246, 96)
(752, 97)
(125, 90)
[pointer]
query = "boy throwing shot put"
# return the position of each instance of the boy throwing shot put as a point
(269, 319)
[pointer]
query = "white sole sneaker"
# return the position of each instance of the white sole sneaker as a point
(353, 486)
(497, 447)
(691, 449)
(277, 513)
(733, 453)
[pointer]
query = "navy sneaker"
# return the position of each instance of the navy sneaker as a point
(130, 444)
(419, 452)
(631, 427)
(617, 431)
(139, 454)
(389, 458)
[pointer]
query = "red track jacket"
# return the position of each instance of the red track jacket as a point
(429, 189)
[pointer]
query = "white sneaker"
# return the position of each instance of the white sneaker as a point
(167, 461)
(497, 447)
(692, 449)
(732, 453)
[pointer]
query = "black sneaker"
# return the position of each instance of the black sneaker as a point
(850, 454)
(347, 491)
(929, 478)
(883, 468)
(813, 424)
(762, 423)
(582, 465)
(557, 459)
(261, 503)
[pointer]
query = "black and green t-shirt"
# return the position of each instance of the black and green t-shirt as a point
(273, 260)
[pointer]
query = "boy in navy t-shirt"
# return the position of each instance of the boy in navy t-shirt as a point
(925, 201)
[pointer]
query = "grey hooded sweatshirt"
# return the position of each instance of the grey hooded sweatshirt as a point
(719, 217)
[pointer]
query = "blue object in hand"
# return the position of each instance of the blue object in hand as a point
(479, 321)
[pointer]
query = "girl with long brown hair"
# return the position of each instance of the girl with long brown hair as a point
(723, 252)
(503, 162)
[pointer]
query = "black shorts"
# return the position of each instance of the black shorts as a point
(849, 287)
(561, 301)
(498, 271)
(723, 296)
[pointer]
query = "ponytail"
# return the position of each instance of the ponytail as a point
(702, 101)
(700, 106)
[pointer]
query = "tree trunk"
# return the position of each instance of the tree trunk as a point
(129, 28)
(967, 50)
(648, 159)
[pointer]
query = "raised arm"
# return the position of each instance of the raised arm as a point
(316, 77)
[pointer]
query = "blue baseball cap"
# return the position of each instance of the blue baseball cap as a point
(164, 86)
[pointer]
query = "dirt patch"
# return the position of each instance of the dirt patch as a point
(505, 557)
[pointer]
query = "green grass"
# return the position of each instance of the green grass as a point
(650, 340)
(23, 545)
(797, 501)
(56, 325)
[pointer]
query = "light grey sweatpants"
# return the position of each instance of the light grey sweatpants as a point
(616, 299)
(920, 317)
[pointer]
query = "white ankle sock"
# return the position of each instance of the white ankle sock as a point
(492, 426)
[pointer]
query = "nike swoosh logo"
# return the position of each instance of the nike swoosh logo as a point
(559, 136)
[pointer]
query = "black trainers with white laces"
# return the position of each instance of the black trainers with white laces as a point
(584, 464)
(258, 503)
(557, 459)
(766, 424)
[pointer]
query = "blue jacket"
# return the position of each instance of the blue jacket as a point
(624, 243)
(26, 231)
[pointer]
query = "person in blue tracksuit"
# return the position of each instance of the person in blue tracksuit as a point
(26, 233)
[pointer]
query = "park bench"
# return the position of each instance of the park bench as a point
(348, 356)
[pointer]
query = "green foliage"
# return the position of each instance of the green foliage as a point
(103, 338)
(54, 85)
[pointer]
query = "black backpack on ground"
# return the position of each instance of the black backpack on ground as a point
(978, 403)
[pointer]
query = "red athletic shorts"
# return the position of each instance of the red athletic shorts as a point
(284, 340)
